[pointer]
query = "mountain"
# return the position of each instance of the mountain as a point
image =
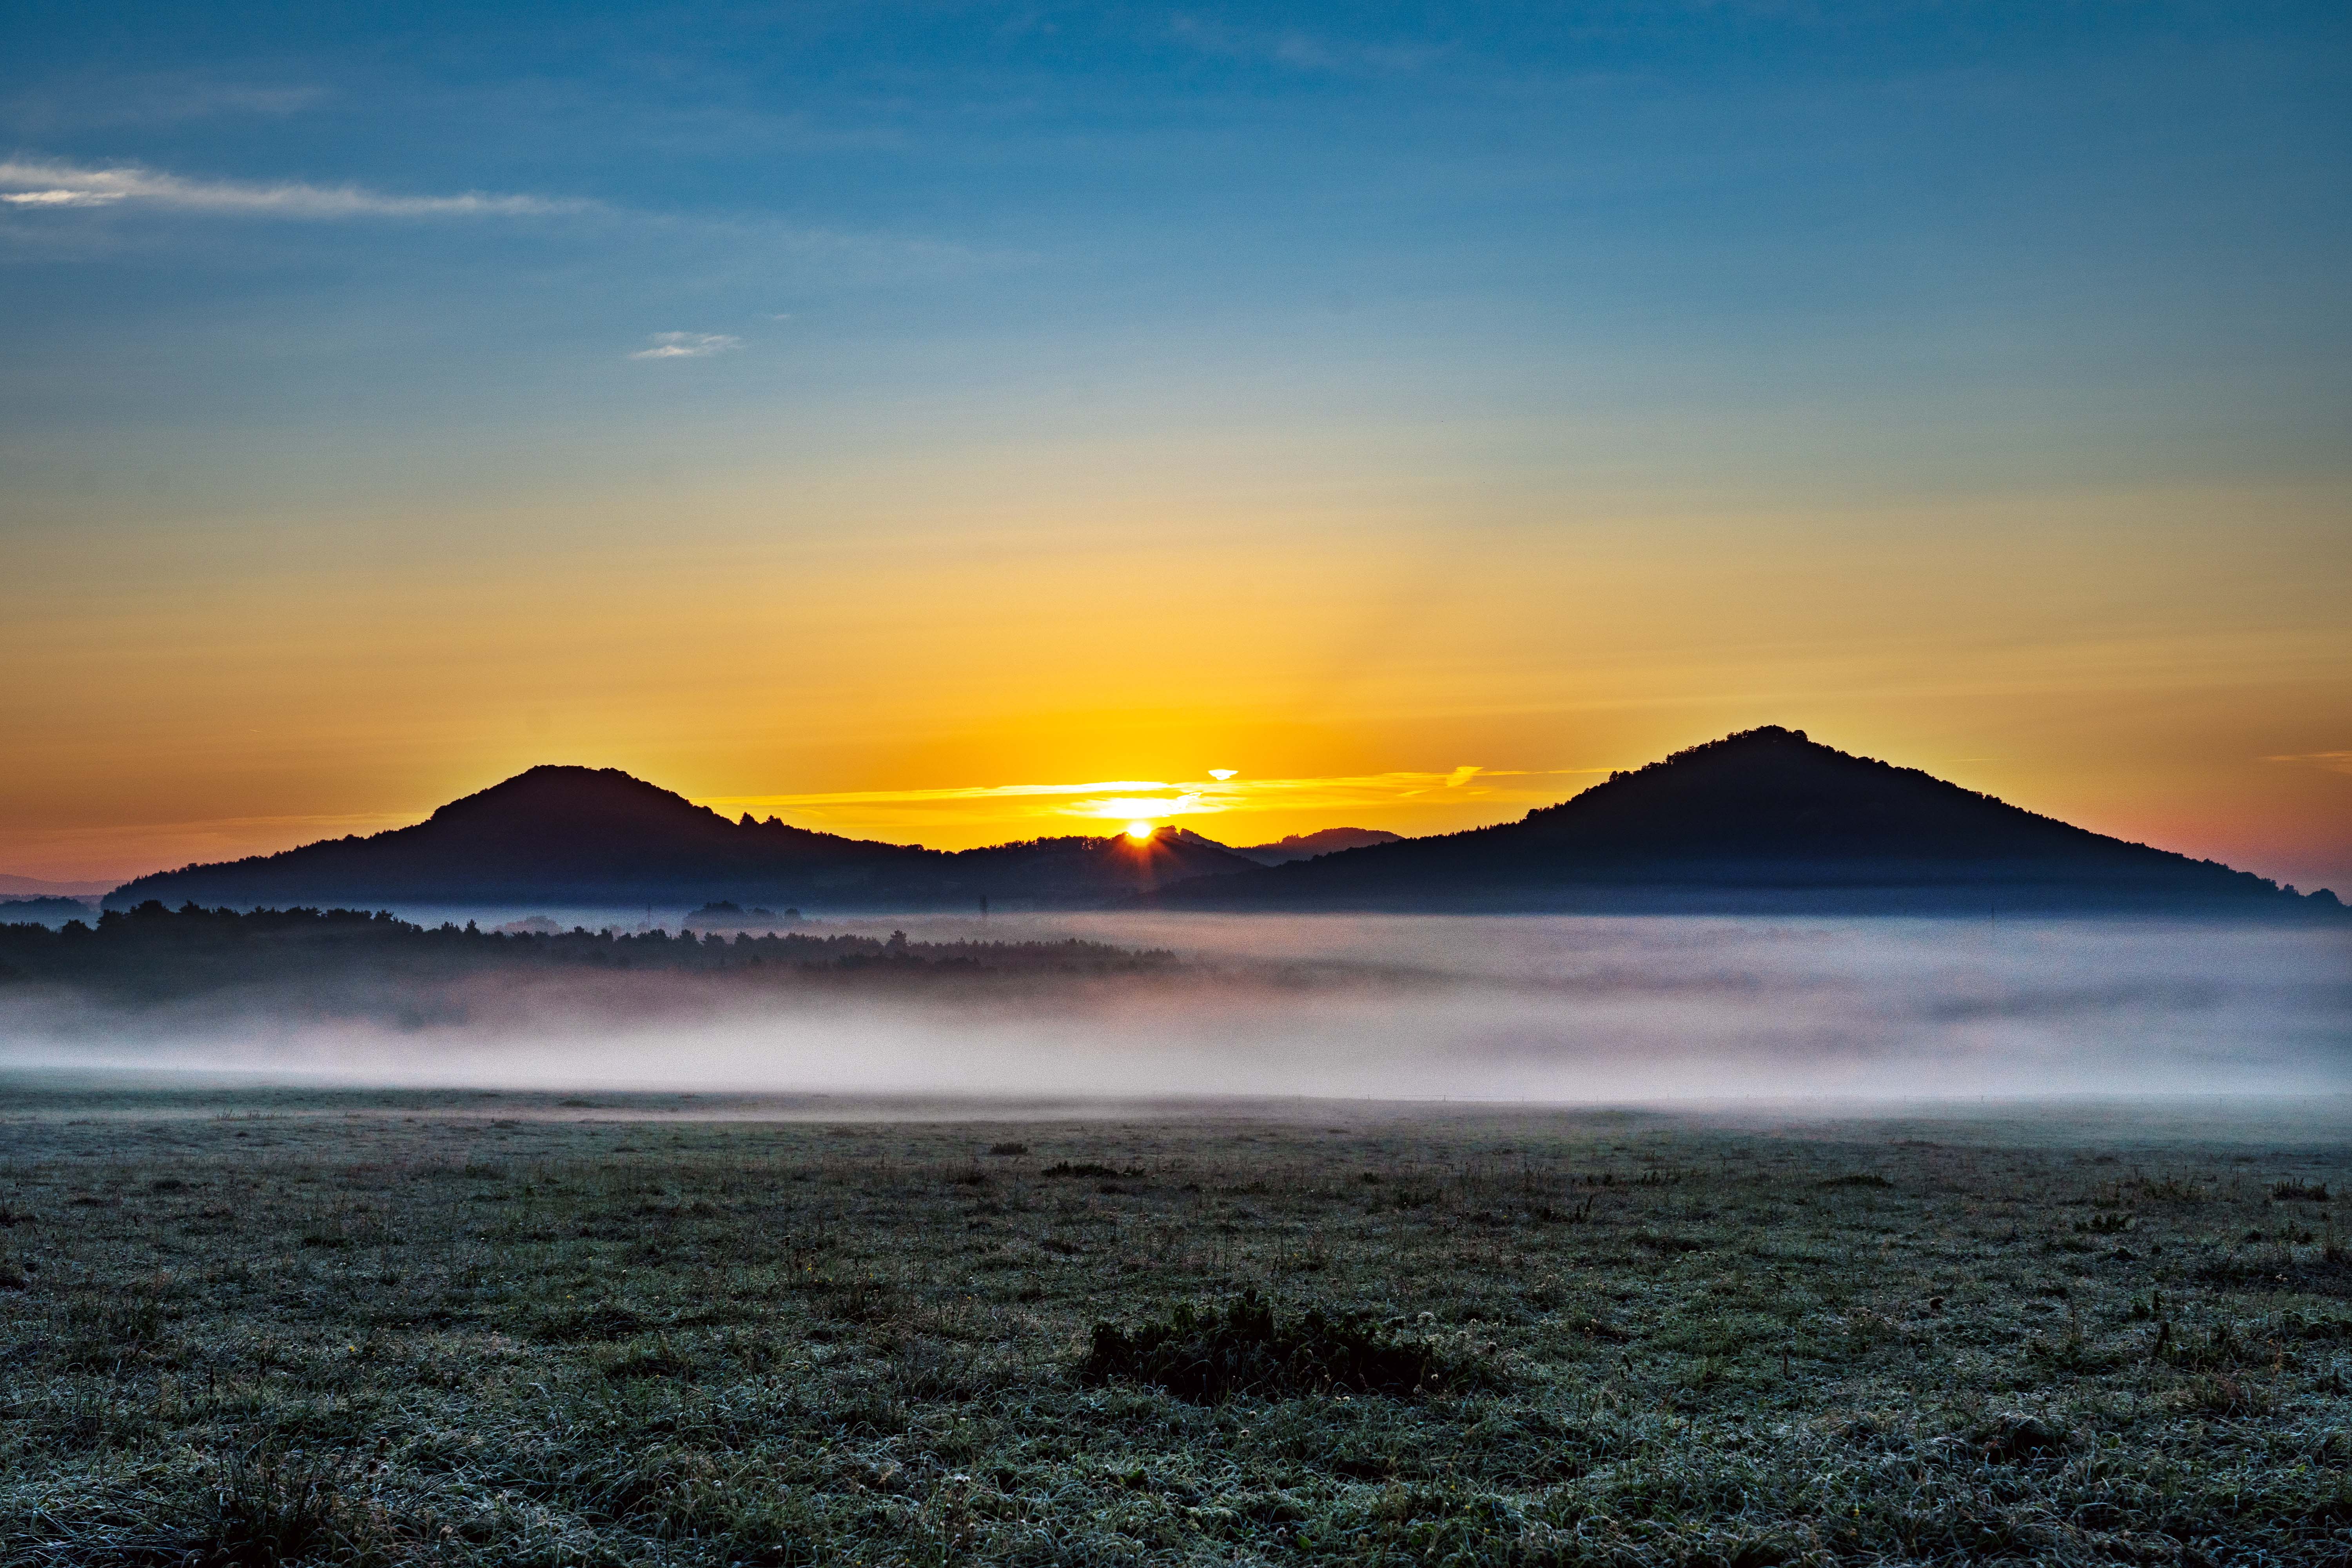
(1306, 845)
(1077, 873)
(589, 837)
(1762, 821)
(47, 911)
(34, 886)
(1767, 820)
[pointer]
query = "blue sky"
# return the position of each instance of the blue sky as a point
(1993, 215)
(393, 303)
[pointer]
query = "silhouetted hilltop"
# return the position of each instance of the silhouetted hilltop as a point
(551, 835)
(47, 909)
(1766, 820)
(39, 887)
(598, 838)
(1306, 845)
(1035, 870)
(1762, 820)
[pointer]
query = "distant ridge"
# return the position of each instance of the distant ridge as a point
(35, 887)
(1306, 845)
(598, 838)
(1765, 820)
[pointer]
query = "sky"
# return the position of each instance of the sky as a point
(954, 422)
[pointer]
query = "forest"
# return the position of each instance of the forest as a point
(155, 953)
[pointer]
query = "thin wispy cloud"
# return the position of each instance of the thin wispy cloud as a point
(687, 345)
(2334, 762)
(1126, 800)
(38, 184)
(152, 99)
(1299, 50)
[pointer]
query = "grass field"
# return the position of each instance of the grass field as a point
(260, 1326)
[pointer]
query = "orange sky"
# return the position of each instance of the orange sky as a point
(2169, 665)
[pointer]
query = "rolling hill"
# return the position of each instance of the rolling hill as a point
(1763, 821)
(589, 837)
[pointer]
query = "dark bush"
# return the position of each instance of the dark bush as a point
(1206, 1356)
(281, 1509)
(2013, 1437)
(2291, 1190)
(1088, 1168)
(603, 1321)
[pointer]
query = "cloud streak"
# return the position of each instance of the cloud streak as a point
(153, 99)
(1128, 799)
(1300, 50)
(2334, 762)
(38, 184)
(687, 345)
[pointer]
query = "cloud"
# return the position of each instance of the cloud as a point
(2334, 762)
(61, 198)
(1128, 800)
(1299, 50)
(687, 345)
(949, 792)
(32, 183)
(151, 98)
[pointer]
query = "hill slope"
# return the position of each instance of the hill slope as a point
(591, 837)
(1762, 820)
(1326, 841)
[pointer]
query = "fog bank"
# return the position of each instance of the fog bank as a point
(1556, 1010)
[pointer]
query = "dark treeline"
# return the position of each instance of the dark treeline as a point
(152, 951)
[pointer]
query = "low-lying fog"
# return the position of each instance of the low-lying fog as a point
(1509, 1008)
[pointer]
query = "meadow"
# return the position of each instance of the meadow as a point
(254, 1326)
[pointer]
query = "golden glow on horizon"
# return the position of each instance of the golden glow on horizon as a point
(1140, 831)
(2119, 659)
(1251, 807)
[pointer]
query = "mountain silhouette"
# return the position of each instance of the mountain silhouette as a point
(1765, 820)
(1762, 821)
(1306, 845)
(36, 887)
(551, 835)
(598, 838)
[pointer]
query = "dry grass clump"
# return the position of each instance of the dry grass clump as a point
(1205, 1355)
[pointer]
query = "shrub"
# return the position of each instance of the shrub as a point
(1207, 1356)
(602, 1320)
(279, 1509)
(2012, 1436)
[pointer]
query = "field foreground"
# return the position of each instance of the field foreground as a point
(261, 1326)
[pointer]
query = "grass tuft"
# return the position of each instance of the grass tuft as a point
(1245, 1348)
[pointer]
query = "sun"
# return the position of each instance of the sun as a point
(1139, 831)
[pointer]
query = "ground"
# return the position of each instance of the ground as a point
(252, 1326)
